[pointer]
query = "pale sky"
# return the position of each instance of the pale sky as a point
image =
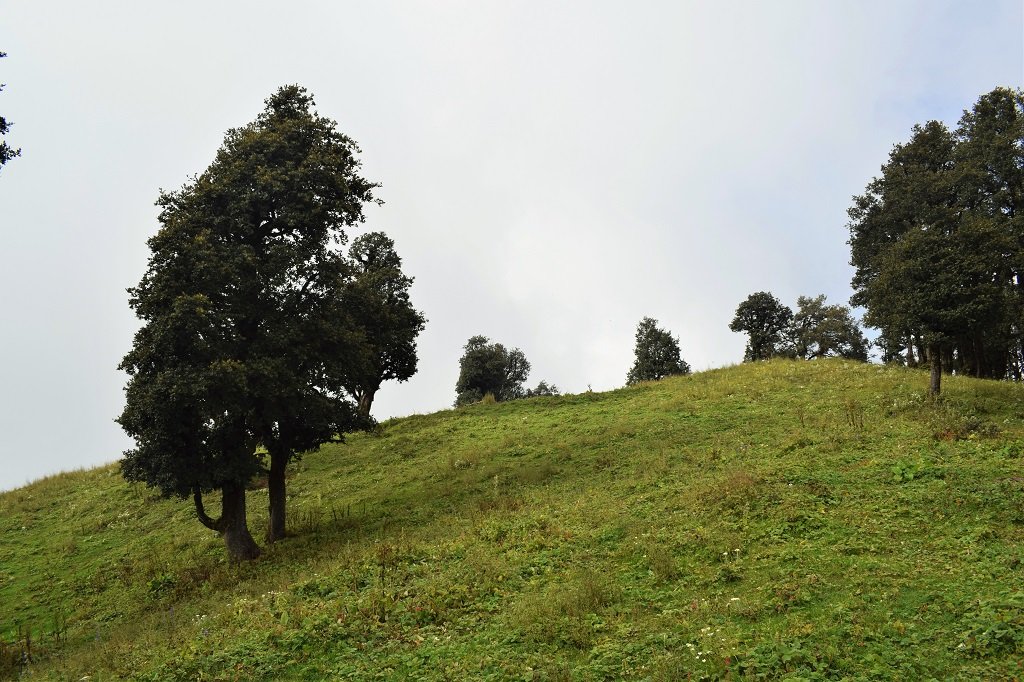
(552, 171)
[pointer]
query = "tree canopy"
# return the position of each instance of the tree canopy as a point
(656, 353)
(490, 369)
(245, 339)
(937, 240)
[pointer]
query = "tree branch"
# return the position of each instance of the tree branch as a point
(197, 497)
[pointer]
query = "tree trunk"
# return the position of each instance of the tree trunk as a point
(935, 358)
(277, 494)
(911, 360)
(366, 401)
(980, 362)
(1015, 363)
(233, 527)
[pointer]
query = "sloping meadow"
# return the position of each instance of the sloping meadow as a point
(819, 520)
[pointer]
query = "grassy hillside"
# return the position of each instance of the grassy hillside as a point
(802, 520)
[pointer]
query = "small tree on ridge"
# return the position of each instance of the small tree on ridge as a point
(489, 368)
(821, 330)
(766, 321)
(657, 354)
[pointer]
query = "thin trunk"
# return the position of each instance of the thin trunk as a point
(277, 494)
(935, 358)
(366, 401)
(997, 362)
(911, 359)
(239, 543)
(980, 369)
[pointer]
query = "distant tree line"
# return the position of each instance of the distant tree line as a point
(815, 330)
(489, 371)
(937, 241)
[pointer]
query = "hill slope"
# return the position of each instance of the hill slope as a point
(811, 519)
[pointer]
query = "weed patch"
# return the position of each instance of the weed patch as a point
(565, 613)
(994, 626)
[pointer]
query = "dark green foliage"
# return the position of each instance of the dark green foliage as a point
(821, 330)
(767, 322)
(937, 241)
(246, 341)
(657, 354)
(989, 159)
(377, 299)
(489, 368)
(6, 151)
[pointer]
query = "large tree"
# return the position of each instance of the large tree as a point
(898, 229)
(244, 342)
(185, 400)
(766, 321)
(377, 298)
(936, 244)
(989, 158)
(656, 354)
(6, 151)
(489, 368)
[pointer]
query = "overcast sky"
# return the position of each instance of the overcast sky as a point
(552, 171)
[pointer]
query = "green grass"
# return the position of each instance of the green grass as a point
(783, 520)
